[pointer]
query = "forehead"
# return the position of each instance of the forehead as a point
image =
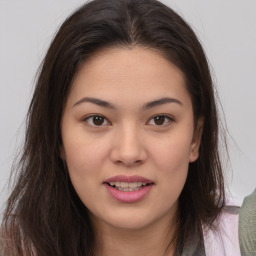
(132, 72)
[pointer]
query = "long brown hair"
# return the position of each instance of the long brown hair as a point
(44, 215)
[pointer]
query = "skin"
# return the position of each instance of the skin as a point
(130, 141)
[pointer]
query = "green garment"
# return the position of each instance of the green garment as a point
(247, 226)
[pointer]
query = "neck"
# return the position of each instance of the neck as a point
(152, 240)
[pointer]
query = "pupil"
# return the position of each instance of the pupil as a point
(98, 120)
(159, 120)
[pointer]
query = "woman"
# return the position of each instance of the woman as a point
(121, 153)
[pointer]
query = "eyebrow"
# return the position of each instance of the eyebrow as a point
(101, 103)
(159, 102)
(148, 105)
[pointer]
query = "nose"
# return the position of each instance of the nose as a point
(128, 148)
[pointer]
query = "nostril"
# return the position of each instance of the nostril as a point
(128, 155)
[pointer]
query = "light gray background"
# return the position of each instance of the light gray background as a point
(225, 28)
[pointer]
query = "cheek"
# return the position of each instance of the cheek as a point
(171, 157)
(81, 149)
(172, 153)
(172, 163)
(84, 159)
(84, 163)
(85, 156)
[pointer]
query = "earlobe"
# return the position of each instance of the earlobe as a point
(62, 153)
(195, 145)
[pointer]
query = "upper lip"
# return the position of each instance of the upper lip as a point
(129, 179)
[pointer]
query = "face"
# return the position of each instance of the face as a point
(128, 137)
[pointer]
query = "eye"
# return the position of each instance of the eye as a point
(160, 120)
(96, 120)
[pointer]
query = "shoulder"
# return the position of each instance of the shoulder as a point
(224, 239)
(247, 225)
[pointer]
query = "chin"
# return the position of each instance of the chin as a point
(129, 220)
(130, 224)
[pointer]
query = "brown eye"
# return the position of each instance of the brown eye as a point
(160, 120)
(96, 120)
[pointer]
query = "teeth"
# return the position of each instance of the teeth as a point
(124, 184)
(127, 186)
(127, 189)
(133, 185)
(139, 184)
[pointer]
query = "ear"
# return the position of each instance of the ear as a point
(194, 151)
(62, 153)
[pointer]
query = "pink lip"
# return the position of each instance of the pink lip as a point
(123, 178)
(131, 196)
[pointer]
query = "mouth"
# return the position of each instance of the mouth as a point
(128, 186)
(128, 183)
(128, 189)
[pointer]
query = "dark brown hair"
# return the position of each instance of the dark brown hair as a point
(44, 215)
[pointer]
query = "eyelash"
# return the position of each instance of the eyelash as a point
(89, 120)
(166, 117)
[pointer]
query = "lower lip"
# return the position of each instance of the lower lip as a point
(129, 196)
